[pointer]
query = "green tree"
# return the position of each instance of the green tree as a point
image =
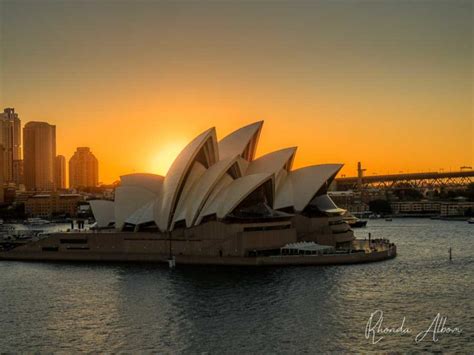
(470, 191)
(405, 192)
(380, 206)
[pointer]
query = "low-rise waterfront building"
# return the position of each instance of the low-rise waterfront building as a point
(9, 194)
(49, 205)
(435, 208)
(415, 207)
(456, 208)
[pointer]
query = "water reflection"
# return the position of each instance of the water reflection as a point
(131, 307)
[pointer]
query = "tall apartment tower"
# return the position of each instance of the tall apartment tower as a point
(83, 169)
(60, 172)
(39, 145)
(10, 138)
(1, 174)
(18, 177)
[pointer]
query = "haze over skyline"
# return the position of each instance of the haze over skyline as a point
(387, 83)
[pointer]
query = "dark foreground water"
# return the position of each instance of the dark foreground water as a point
(122, 307)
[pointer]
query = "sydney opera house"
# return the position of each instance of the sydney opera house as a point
(218, 203)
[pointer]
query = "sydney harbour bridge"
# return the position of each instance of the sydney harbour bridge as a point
(422, 180)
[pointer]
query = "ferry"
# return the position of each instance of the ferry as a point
(353, 221)
(36, 221)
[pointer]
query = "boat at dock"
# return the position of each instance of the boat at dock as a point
(36, 221)
(353, 221)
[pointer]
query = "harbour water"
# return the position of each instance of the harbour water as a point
(142, 307)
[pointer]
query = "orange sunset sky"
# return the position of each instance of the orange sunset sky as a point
(388, 83)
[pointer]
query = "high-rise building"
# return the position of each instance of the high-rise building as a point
(39, 144)
(83, 169)
(1, 174)
(10, 138)
(18, 178)
(60, 175)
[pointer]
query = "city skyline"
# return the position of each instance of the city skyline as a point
(171, 153)
(387, 85)
(83, 165)
(45, 171)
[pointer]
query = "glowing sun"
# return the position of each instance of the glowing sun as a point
(161, 161)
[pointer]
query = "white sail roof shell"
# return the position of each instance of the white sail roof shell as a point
(244, 164)
(301, 185)
(202, 189)
(324, 203)
(192, 181)
(175, 178)
(142, 215)
(221, 185)
(129, 199)
(198, 184)
(103, 211)
(272, 162)
(278, 162)
(151, 182)
(236, 142)
(234, 193)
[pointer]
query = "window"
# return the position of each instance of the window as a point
(73, 241)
